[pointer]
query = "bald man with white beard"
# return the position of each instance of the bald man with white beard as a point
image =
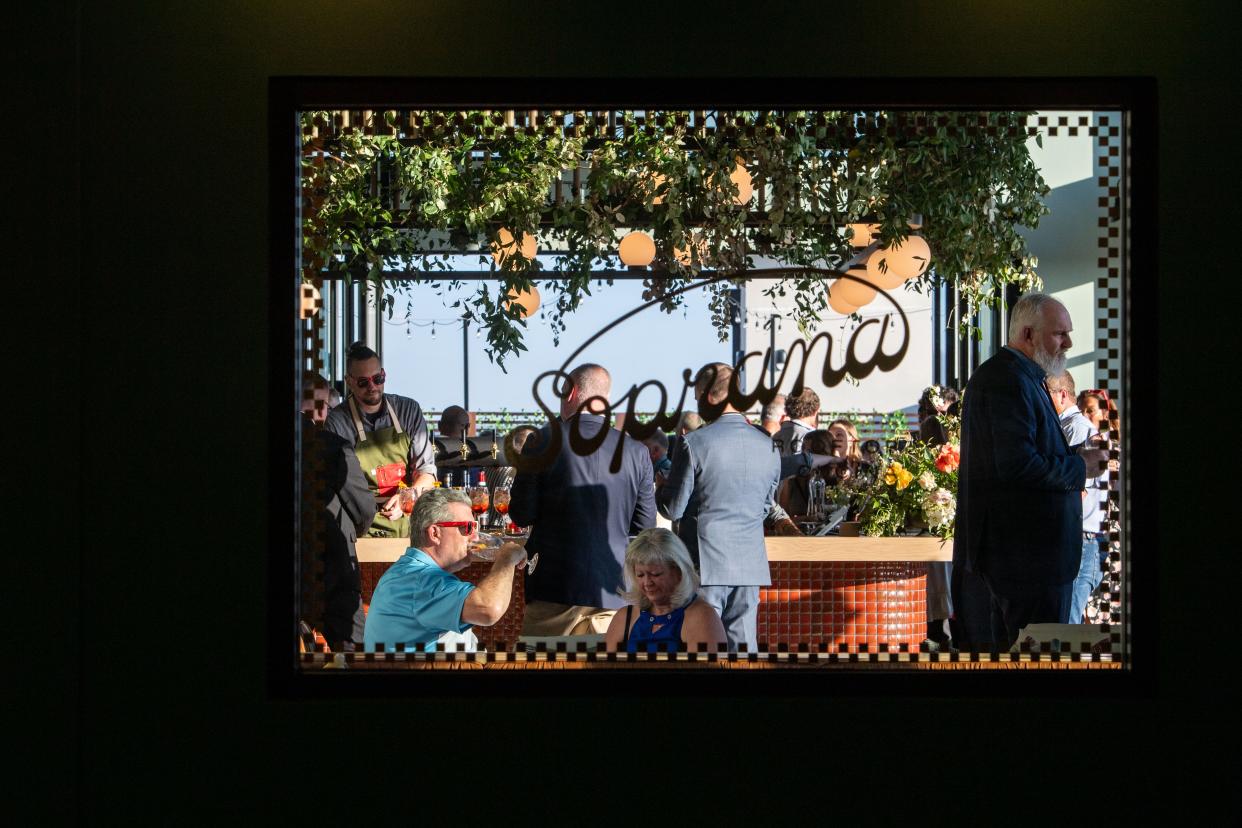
(1018, 539)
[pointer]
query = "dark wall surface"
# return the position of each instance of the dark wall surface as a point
(169, 252)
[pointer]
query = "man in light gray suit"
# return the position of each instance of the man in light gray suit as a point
(731, 469)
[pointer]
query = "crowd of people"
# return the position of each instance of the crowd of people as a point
(1033, 483)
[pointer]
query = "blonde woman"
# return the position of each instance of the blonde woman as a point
(664, 608)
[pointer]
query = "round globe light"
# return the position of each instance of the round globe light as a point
(745, 186)
(654, 182)
(528, 299)
(505, 246)
(698, 244)
(854, 293)
(886, 279)
(834, 302)
(636, 249)
(908, 260)
(863, 234)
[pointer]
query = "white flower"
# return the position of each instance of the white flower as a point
(927, 481)
(939, 507)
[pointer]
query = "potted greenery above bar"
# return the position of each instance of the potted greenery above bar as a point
(929, 197)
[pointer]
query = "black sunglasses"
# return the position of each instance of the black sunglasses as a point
(377, 379)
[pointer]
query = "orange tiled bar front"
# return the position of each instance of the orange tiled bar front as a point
(826, 592)
(829, 603)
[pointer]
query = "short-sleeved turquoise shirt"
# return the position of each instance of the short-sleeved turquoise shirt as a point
(415, 602)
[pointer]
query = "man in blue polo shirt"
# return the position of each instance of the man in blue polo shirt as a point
(419, 602)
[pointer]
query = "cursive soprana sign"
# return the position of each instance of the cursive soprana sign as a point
(801, 352)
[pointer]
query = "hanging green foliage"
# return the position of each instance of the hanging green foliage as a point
(403, 191)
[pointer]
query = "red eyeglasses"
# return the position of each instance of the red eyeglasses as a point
(466, 527)
(377, 379)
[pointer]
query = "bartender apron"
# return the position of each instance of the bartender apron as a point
(382, 455)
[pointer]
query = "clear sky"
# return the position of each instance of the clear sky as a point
(651, 345)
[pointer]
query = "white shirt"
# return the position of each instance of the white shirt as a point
(1078, 430)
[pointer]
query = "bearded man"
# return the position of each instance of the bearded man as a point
(1018, 540)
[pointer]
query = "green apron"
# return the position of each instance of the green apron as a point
(382, 455)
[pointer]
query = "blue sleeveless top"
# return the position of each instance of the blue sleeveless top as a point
(664, 639)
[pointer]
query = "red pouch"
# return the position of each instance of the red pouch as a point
(388, 477)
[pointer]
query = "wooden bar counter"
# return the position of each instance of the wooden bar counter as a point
(826, 592)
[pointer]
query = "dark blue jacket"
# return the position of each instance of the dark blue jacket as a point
(1019, 503)
(581, 515)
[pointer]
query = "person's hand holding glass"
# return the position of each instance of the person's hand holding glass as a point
(485, 547)
(1094, 453)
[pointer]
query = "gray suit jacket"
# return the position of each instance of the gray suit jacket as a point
(731, 470)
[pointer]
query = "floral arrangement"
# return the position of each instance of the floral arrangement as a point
(917, 485)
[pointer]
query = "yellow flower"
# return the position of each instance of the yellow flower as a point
(903, 479)
(892, 473)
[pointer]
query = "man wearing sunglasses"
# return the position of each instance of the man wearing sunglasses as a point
(389, 435)
(419, 603)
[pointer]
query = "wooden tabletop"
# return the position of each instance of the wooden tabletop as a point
(921, 549)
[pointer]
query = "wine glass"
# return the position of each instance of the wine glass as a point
(479, 501)
(484, 548)
(407, 496)
(500, 502)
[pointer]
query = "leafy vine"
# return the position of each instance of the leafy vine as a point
(408, 190)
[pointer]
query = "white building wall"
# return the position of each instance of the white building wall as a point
(880, 391)
(1067, 239)
(1066, 244)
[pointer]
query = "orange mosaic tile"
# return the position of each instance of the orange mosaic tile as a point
(825, 605)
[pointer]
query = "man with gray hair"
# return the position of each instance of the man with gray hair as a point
(1018, 539)
(581, 514)
(419, 602)
(690, 421)
(774, 415)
